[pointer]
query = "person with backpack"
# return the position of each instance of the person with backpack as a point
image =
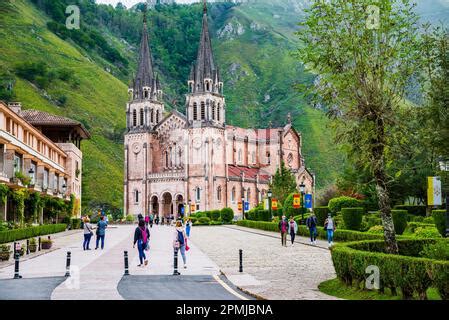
(311, 223)
(283, 228)
(87, 233)
(142, 238)
(101, 232)
(180, 241)
(330, 226)
(292, 229)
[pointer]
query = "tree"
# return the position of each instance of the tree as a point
(283, 183)
(364, 55)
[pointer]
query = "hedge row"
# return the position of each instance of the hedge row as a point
(406, 271)
(439, 216)
(19, 234)
(262, 225)
(414, 210)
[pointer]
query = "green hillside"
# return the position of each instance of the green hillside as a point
(84, 74)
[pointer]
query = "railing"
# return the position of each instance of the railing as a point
(166, 175)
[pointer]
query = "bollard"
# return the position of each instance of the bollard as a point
(28, 246)
(16, 266)
(39, 246)
(126, 263)
(241, 260)
(67, 265)
(175, 264)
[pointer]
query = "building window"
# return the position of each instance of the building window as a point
(233, 195)
(219, 193)
(213, 111)
(195, 111)
(45, 182)
(203, 111)
(248, 194)
(136, 196)
(141, 117)
(218, 112)
(152, 115)
(207, 86)
(253, 157)
(198, 194)
(166, 159)
(240, 155)
(268, 157)
(56, 182)
(17, 163)
(33, 176)
(157, 116)
(134, 118)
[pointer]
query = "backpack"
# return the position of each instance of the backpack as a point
(180, 238)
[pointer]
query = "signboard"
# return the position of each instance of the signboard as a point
(265, 204)
(434, 194)
(246, 206)
(239, 206)
(296, 201)
(182, 210)
(308, 201)
(274, 204)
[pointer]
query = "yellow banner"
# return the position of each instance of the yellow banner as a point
(434, 193)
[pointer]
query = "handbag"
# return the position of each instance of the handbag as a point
(187, 246)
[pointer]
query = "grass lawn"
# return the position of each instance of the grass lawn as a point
(338, 289)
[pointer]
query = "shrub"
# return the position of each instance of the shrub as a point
(399, 220)
(428, 220)
(321, 214)
(216, 223)
(215, 215)
(252, 214)
(75, 223)
(372, 220)
(412, 209)
(262, 225)
(203, 221)
(25, 233)
(336, 204)
(201, 215)
(439, 217)
(263, 215)
(208, 214)
(438, 250)
(288, 209)
(227, 215)
(421, 232)
(130, 218)
(376, 230)
(411, 274)
(413, 218)
(352, 217)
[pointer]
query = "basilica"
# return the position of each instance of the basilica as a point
(177, 163)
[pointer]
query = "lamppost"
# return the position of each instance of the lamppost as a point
(270, 194)
(64, 189)
(31, 173)
(302, 190)
(243, 208)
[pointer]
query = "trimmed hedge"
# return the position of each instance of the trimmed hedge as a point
(20, 234)
(352, 218)
(227, 215)
(321, 214)
(76, 223)
(439, 216)
(263, 215)
(399, 220)
(262, 225)
(407, 271)
(336, 204)
(215, 215)
(414, 210)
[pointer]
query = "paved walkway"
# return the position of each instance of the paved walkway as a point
(270, 271)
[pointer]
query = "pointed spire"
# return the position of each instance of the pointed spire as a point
(145, 73)
(204, 68)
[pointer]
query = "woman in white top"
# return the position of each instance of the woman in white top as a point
(329, 226)
(87, 233)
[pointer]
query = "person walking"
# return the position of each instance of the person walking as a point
(311, 223)
(283, 228)
(292, 229)
(188, 227)
(147, 221)
(87, 233)
(330, 226)
(151, 220)
(142, 237)
(140, 217)
(101, 232)
(180, 241)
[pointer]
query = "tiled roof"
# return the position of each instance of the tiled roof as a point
(40, 118)
(250, 173)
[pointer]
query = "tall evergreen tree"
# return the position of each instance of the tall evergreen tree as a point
(283, 183)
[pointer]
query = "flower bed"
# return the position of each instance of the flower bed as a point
(25, 233)
(408, 272)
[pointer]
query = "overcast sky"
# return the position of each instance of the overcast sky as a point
(130, 3)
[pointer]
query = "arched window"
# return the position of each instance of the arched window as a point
(134, 118)
(253, 157)
(219, 193)
(213, 111)
(166, 159)
(145, 93)
(195, 111)
(179, 157)
(240, 155)
(207, 86)
(233, 194)
(157, 116)
(171, 157)
(141, 117)
(152, 115)
(203, 111)
(248, 194)
(136, 196)
(218, 112)
(198, 194)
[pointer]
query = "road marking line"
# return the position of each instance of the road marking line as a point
(228, 288)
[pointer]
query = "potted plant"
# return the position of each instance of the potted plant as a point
(46, 244)
(5, 252)
(33, 245)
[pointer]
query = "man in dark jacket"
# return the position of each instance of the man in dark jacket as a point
(142, 237)
(283, 228)
(311, 223)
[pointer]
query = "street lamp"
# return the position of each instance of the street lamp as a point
(31, 173)
(243, 208)
(270, 194)
(302, 188)
(64, 188)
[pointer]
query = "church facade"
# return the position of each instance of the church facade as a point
(175, 161)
